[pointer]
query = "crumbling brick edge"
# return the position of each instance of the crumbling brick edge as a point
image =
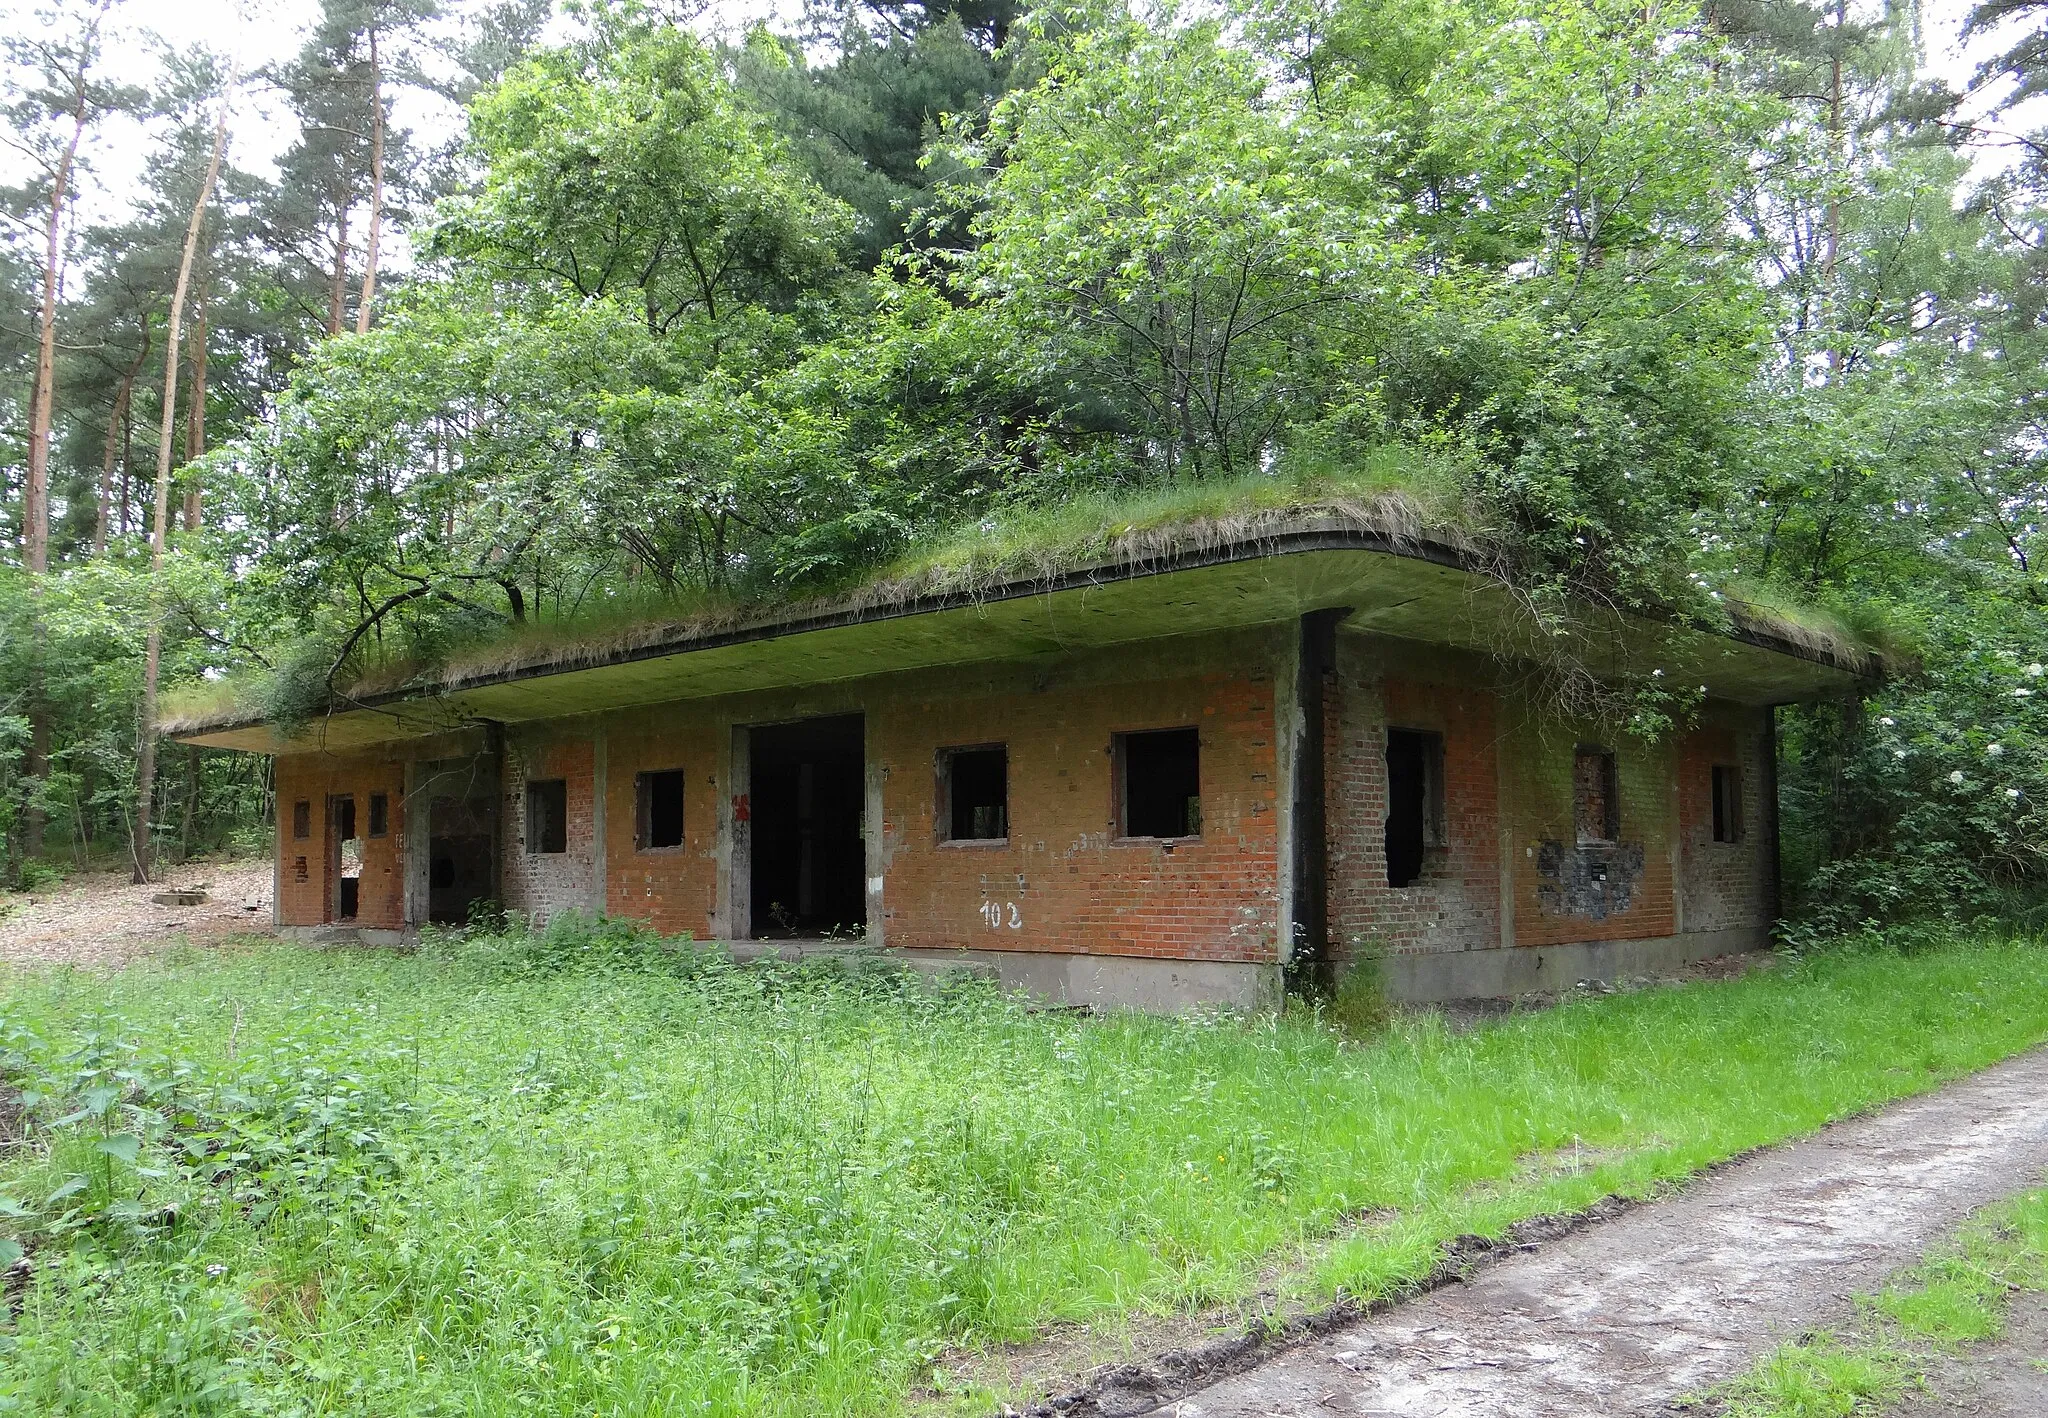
(1134, 1390)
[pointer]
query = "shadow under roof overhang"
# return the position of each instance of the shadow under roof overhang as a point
(1412, 590)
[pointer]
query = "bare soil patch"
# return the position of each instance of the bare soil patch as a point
(99, 919)
(2005, 1378)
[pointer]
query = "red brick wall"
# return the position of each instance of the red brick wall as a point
(1063, 881)
(1455, 904)
(674, 889)
(1553, 900)
(544, 884)
(1725, 884)
(305, 881)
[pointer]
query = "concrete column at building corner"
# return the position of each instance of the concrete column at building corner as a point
(599, 839)
(1774, 882)
(735, 915)
(1287, 732)
(415, 821)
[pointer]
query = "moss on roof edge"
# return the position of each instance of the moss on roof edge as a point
(1392, 520)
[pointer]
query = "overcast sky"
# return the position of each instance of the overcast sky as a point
(264, 32)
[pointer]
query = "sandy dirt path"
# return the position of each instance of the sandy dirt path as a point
(100, 920)
(1669, 1299)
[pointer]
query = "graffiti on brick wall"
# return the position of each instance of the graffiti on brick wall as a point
(998, 914)
(1591, 879)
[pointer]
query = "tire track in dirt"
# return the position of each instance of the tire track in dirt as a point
(1668, 1299)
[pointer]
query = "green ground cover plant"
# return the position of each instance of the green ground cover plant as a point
(1954, 1298)
(590, 1172)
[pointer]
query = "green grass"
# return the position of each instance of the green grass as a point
(576, 1175)
(1954, 1298)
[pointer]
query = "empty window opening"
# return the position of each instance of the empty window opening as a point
(1415, 811)
(807, 855)
(1727, 804)
(547, 816)
(1159, 778)
(1596, 795)
(345, 858)
(380, 814)
(974, 794)
(658, 810)
(302, 820)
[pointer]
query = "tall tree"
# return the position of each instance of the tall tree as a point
(57, 98)
(160, 522)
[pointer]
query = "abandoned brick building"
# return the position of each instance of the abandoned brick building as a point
(1153, 781)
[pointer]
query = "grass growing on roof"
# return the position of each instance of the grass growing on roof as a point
(1402, 488)
(580, 1173)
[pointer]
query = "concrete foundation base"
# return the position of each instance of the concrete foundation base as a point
(1098, 981)
(1167, 986)
(1528, 969)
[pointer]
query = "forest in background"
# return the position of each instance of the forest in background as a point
(1666, 305)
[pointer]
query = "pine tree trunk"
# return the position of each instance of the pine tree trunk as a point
(152, 665)
(127, 456)
(337, 283)
(120, 442)
(195, 410)
(376, 189)
(35, 501)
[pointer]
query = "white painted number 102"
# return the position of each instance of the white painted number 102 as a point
(1002, 913)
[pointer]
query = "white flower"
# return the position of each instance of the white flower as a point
(1994, 750)
(2012, 792)
(1889, 722)
(1956, 777)
(1898, 753)
(2034, 671)
(2023, 694)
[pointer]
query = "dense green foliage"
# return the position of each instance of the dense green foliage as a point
(593, 1170)
(1660, 305)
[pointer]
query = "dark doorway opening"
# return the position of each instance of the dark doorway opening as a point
(461, 849)
(1414, 802)
(346, 861)
(808, 861)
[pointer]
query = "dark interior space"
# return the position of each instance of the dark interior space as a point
(1412, 759)
(1727, 804)
(1162, 783)
(808, 861)
(977, 789)
(658, 810)
(348, 860)
(459, 857)
(547, 816)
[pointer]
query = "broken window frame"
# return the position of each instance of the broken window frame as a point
(1120, 757)
(644, 784)
(1610, 789)
(1725, 804)
(542, 814)
(943, 802)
